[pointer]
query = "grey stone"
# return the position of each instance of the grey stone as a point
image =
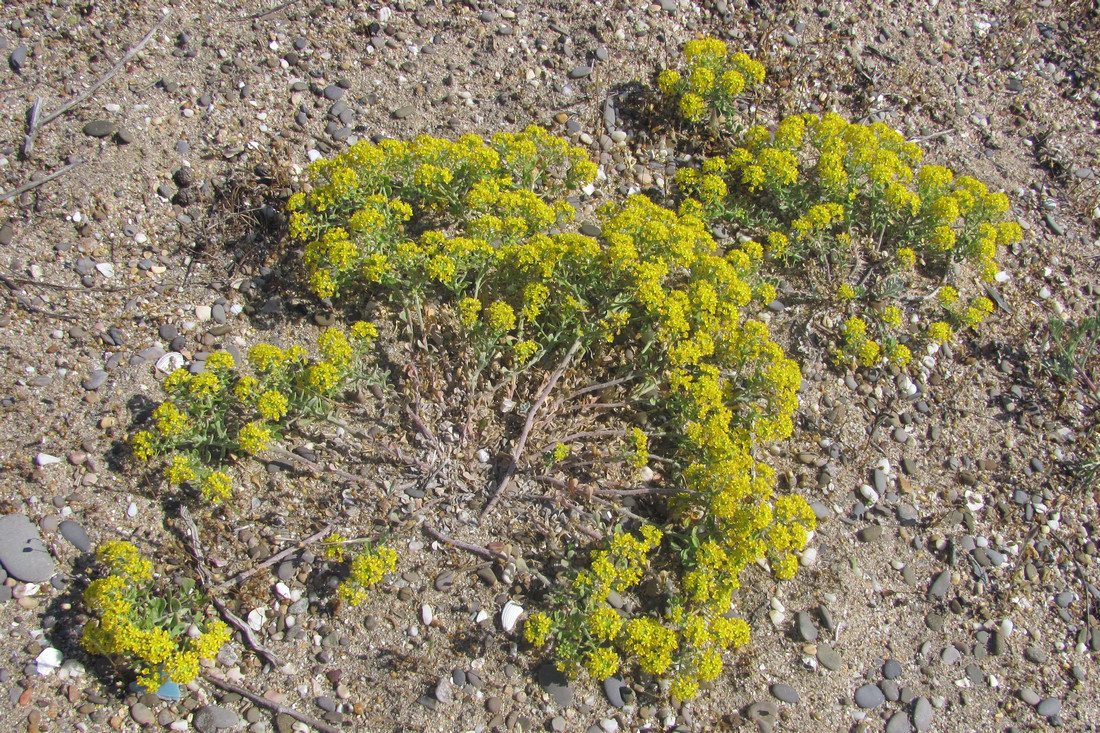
(784, 692)
(18, 58)
(879, 477)
(141, 713)
(6, 234)
(99, 128)
(579, 72)
(95, 380)
(764, 713)
(950, 655)
(1049, 708)
(922, 714)
(556, 685)
(403, 112)
(891, 670)
(74, 533)
(898, 723)
(829, 657)
(1064, 599)
(806, 628)
(1036, 655)
(890, 690)
(333, 92)
(869, 696)
(870, 533)
(613, 687)
(22, 552)
(1029, 696)
(210, 718)
(940, 585)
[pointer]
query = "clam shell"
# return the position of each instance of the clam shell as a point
(509, 615)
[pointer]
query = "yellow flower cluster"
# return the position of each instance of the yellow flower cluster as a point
(366, 570)
(132, 623)
(713, 78)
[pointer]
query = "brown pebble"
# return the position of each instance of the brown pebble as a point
(561, 118)
(334, 675)
(25, 697)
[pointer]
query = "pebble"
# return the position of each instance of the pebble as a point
(613, 687)
(141, 713)
(1036, 655)
(1049, 708)
(898, 723)
(74, 533)
(785, 692)
(829, 657)
(870, 534)
(580, 72)
(6, 234)
(99, 128)
(95, 380)
(940, 585)
(922, 714)
(891, 670)
(806, 628)
(556, 685)
(22, 552)
(1029, 696)
(333, 92)
(869, 696)
(403, 112)
(214, 717)
(18, 58)
(445, 580)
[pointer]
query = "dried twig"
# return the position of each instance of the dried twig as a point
(205, 579)
(35, 124)
(517, 453)
(602, 385)
(274, 707)
(424, 430)
(264, 13)
(7, 195)
(473, 549)
(244, 575)
(317, 466)
(32, 127)
(933, 136)
(28, 305)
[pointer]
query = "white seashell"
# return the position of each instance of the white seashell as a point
(72, 668)
(283, 590)
(170, 362)
(49, 660)
(106, 269)
(427, 614)
(778, 605)
(777, 618)
(45, 459)
(25, 590)
(257, 618)
(481, 617)
(509, 615)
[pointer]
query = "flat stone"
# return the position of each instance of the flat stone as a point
(580, 72)
(939, 586)
(1036, 655)
(403, 112)
(806, 628)
(829, 657)
(22, 552)
(333, 92)
(898, 723)
(891, 670)
(764, 714)
(556, 685)
(74, 533)
(1049, 708)
(99, 128)
(18, 58)
(784, 692)
(869, 696)
(922, 714)
(870, 533)
(214, 717)
(6, 234)
(95, 380)
(613, 687)
(141, 713)
(1030, 696)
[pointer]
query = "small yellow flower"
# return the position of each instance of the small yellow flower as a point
(536, 629)
(220, 360)
(217, 486)
(254, 438)
(272, 405)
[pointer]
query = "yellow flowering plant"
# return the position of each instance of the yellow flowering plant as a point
(156, 631)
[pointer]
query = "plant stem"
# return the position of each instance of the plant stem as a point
(513, 465)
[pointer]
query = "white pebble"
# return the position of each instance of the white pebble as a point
(869, 494)
(45, 459)
(179, 725)
(283, 590)
(1044, 292)
(257, 618)
(48, 661)
(426, 614)
(809, 556)
(314, 155)
(778, 605)
(131, 510)
(777, 618)
(106, 269)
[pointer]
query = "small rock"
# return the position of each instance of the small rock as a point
(580, 72)
(1036, 655)
(870, 533)
(141, 713)
(99, 128)
(95, 380)
(784, 692)
(402, 113)
(613, 687)
(333, 92)
(74, 533)
(922, 714)
(214, 717)
(22, 552)
(829, 657)
(869, 696)
(556, 685)
(806, 628)
(898, 723)
(891, 670)
(940, 585)
(1049, 708)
